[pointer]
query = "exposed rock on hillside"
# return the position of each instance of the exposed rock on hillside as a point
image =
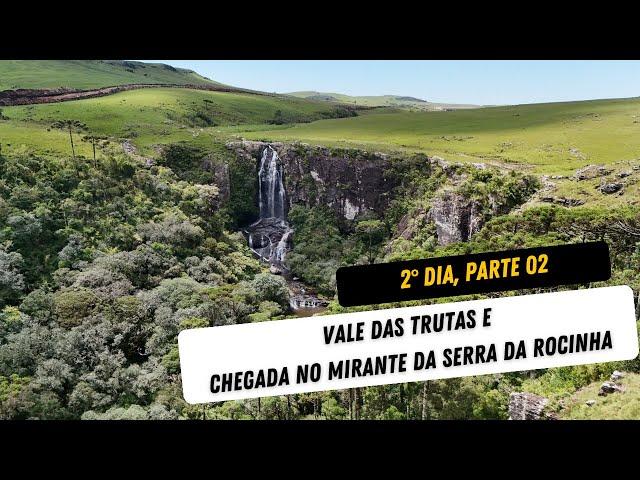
(456, 218)
(409, 225)
(220, 172)
(609, 387)
(353, 182)
(130, 149)
(564, 201)
(349, 181)
(610, 188)
(616, 375)
(528, 406)
(591, 171)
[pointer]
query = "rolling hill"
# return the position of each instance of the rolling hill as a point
(149, 117)
(554, 138)
(87, 74)
(394, 101)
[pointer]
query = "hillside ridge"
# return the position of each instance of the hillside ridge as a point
(91, 74)
(29, 96)
(395, 101)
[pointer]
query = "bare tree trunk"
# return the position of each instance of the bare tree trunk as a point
(358, 403)
(259, 408)
(351, 404)
(423, 414)
(288, 407)
(408, 409)
(73, 149)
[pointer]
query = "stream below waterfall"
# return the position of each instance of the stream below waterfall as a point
(270, 237)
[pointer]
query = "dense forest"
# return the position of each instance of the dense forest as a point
(130, 216)
(104, 261)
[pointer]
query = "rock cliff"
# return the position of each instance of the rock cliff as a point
(353, 182)
(528, 406)
(456, 217)
(349, 181)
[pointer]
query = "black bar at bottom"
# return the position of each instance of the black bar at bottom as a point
(538, 267)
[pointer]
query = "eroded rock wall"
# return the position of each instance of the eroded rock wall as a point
(456, 217)
(349, 181)
(354, 182)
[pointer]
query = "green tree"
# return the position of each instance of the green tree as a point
(272, 288)
(11, 279)
(370, 234)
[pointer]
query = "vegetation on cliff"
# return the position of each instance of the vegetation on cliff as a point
(104, 258)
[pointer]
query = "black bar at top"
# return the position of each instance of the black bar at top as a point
(381, 283)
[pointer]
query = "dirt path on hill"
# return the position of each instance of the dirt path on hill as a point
(28, 96)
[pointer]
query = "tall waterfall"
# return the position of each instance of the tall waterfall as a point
(270, 236)
(272, 193)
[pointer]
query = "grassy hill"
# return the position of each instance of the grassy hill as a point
(554, 138)
(616, 406)
(86, 74)
(153, 116)
(395, 101)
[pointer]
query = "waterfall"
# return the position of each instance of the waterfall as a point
(271, 192)
(283, 246)
(270, 236)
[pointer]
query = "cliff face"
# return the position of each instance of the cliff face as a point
(456, 218)
(220, 173)
(351, 182)
(528, 406)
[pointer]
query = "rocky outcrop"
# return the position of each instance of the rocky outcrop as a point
(349, 181)
(528, 406)
(220, 173)
(616, 375)
(266, 236)
(591, 171)
(564, 201)
(456, 217)
(610, 188)
(302, 297)
(130, 149)
(410, 224)
(609, 387)
(354, 182)
(221, 179)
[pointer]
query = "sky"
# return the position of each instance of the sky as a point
(480, 82)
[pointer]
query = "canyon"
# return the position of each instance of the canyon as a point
(355, 184)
